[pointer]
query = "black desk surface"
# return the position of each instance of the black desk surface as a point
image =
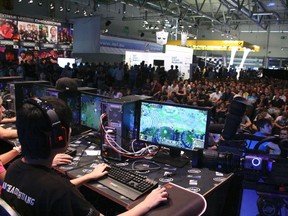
(202, 180)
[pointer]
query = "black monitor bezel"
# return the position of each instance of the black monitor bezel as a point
(175, 105)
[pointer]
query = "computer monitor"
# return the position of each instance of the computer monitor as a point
(40, 90)
(72, 99)
(52, 92)
(175, 126)
(62, 62)
(158, 62)
(22, 90)
(4, 87)
(91, 110)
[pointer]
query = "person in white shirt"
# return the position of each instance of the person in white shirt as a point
(173, 87)
(215, 96)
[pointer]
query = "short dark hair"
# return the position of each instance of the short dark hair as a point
(29, 53)
(33, 127)
(262, 122)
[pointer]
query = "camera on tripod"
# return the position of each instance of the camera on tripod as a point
(265, 173)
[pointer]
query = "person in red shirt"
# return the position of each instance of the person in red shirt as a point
(156, 87)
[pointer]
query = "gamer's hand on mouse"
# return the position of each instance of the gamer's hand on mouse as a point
(157, 196)
(61, 159)
(99, 171)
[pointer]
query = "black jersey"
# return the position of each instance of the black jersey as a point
(38, 190)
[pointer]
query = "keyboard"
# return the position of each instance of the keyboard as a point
(127, 183)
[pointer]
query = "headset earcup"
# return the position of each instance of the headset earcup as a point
(58, 137)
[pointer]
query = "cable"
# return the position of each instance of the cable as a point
(83, 135)
(144, 168)
(116, 147)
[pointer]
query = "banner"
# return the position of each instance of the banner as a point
(184, 38)
(161, 37)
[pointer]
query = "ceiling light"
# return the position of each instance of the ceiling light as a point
(262, 14)
(40, 3)
(30, 2)
(19, 0)
(68, 9)
(51, 6)
(77, 11)
(61, 8)
(271, 4)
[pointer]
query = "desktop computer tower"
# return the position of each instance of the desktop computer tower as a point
(21, 90)
(121, 124)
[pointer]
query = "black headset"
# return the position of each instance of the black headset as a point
(57, 137)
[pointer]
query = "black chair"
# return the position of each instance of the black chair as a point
(6, 210)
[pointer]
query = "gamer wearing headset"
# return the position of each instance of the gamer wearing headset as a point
(12, 134)
(31, 187)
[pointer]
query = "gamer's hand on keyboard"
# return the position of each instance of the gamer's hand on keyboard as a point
(157, 196)
(99, 171)
(61, 159)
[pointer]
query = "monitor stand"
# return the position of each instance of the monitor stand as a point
(173, 158)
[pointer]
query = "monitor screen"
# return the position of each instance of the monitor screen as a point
(91, 110)
(22, 90)
(62, 62)
(175, 126)
(40, 90)
(4, 82)
(52, 92)
(72, 99)
(158, 62)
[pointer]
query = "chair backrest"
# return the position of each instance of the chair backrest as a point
(6, 210)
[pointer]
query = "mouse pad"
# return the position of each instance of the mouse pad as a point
(181, 202)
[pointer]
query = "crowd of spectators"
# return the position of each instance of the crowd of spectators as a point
(206, 87)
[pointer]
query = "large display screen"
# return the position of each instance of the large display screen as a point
(62, 62)
(173, 125)
(35, 34)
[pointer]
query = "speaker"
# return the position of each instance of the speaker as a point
(57, 137)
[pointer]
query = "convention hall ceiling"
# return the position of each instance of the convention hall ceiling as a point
(214, 13)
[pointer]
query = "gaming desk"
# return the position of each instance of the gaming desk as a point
(221, 191)
(216, 187)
